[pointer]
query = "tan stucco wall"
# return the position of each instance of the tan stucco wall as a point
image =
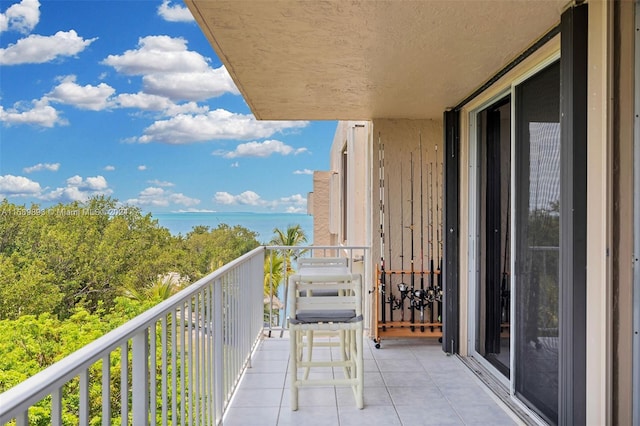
(352, 137)
(401, 140)
(320, 207)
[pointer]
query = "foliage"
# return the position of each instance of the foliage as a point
(72, 272)
(541, 294)
(293, 236)
(273, 273)
(212, 248)
(278, 265)
(84, 254)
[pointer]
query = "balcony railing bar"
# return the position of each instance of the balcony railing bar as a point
(202, 337)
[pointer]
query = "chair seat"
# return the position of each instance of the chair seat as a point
(340, 315)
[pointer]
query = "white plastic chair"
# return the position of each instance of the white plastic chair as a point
(318, 262)
(342, 313)
(319, 266)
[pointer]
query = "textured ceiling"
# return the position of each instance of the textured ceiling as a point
(353, 60)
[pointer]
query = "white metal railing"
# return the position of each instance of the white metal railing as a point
(177, 363)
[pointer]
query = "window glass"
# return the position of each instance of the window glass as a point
(537, 144)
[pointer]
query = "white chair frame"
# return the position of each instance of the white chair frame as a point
(341, 313)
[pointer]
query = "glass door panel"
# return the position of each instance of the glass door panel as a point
(537, 195)
(493, 295)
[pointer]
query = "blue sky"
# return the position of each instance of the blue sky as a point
(128, 99)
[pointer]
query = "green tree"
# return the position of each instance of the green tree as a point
(293, 236)
(81, 254)
(212, 248)
(273, 273)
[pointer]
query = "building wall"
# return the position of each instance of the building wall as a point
(401, 141)
(610, 197)
(623, 196)
(320, 207)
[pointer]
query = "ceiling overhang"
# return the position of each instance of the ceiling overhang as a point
(359, 60)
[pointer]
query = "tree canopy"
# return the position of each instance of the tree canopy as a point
(72, 272)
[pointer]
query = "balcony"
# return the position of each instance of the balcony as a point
(211, 353)
(407, 382)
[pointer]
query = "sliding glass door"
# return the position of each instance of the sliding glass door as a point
(517, 239)
(537, 242)
(493, 310)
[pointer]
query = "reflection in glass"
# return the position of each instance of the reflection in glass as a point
(493, 305)
(537, 241)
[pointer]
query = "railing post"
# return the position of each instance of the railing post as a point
(56, 407)
(84, 397)
(140, 378)
(106, 390)
(218, 351)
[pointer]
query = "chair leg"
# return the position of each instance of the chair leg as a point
(293, 370)
(359, 369)
(309, 352)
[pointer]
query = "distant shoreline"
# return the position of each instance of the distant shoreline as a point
(261, 223)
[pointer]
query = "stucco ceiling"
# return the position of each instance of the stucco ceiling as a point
(354, 60)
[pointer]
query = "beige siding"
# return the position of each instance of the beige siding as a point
(320, 207)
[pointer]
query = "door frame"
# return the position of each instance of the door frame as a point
(473, 228)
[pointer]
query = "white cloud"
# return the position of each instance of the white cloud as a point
(143, 101)
(192, 210)
(142, 167)
(248, 198)
(170, 70)
(158, 54)
(186, 108)
(193, 86)
(293, 209)
(52, 167)
(109, 168)
(158, 197)
(148, 102)
(214, 125)
(97, 183)
(261, 149)
(235, 164)
(37, 49)
(22, 17)
(174, 13)
(94, 98)
(161, 183)
(80, 189)
(292, 204)
(18, 186)
(38, 113)
(303, 172)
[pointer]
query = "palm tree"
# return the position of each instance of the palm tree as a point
(294, 236)
(272, 273)
(160, 290)
(272, 280)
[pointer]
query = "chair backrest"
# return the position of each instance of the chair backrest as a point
(347, 296)
(317, 262)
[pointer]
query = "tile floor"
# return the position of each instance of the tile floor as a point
(407, 382)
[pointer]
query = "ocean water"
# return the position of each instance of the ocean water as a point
(262, 223)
